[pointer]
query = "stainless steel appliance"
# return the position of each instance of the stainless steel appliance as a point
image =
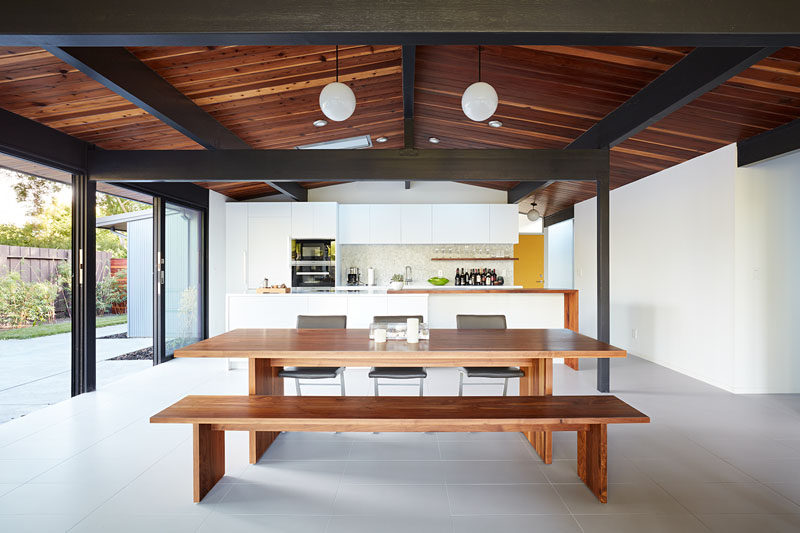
(313, 264)
(353, 276)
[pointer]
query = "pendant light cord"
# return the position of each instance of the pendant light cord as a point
(479, 62)
(337, 63)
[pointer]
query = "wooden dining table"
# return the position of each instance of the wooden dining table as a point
(532, 350)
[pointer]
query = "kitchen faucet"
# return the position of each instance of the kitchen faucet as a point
(407, 277)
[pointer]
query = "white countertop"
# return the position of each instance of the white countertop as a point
(428, 286)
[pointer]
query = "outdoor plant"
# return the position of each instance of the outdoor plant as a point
(108, 292)
(23, 304)
(64, 285)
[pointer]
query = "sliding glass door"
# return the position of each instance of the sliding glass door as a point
(182, 277)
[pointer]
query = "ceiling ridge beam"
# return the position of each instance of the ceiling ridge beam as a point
(769, 144)
(123, 73)
(349, 165)
(27, 139)
(702, 70)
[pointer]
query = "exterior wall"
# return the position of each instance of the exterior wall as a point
(140, 278)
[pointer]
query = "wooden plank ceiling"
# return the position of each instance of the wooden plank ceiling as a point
(268, 95)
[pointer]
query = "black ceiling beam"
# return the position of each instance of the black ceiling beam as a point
(702, 70)
(30, 140)
(348, 165)
(293, 190)
(188, 194)
(772, 143)
(409, 63)
(262, 22)
(522, 190)
(560, 216)
(123, 73)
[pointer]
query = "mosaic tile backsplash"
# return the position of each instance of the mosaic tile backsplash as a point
(389, 259)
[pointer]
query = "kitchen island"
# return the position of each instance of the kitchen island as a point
(523, 308)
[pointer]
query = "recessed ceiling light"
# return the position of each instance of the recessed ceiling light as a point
(434, 140)
(495, 123)
(381, 140)
(319, 123)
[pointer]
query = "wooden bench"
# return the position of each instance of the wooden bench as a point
(211, 416)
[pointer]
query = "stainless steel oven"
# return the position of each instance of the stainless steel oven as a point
(313, 250)
(313, 274)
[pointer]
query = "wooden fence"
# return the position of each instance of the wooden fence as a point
(41, 264)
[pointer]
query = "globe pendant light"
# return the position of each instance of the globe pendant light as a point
(533, 214)
(337, 100)
(479, 101)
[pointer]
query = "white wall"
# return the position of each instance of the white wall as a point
(767, 335)
(672, 267)
(558, 242)
(216, 263)
(394, 192)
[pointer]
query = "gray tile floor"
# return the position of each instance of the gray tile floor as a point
(709, 461)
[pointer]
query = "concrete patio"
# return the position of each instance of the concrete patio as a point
(35, 372)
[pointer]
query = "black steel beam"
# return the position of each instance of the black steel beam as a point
(519, 192)
(603, 280)
(409, 63)
(347, 165)
(561, 216)
(27, 139)
(83, 286)
(262, 22)
(293, 190)
(122, 72)
(772, 143)
(700, 71)
(188, 194)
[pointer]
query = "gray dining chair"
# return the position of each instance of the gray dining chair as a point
(396, 372)
(317, 372)
(504, 373)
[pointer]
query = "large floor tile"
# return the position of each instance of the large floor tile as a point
(22, 470)
(38, 524)
(394, 472)
(620, 470)
(635, 523)
(487, 451)
(534, 498)
(306, 451)
(104, 521)
(372, 524)
(492, 472)
(218, 522)
(747, 523)
(789, 490)
(411, 450)
(392, 500)
(294, 475)
(540, 523)
(771, 470)
(276, 499)
(53, 499)
(733, 498)
(707, 468)
(623, 498)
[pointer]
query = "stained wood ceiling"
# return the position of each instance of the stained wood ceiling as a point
(549, 95)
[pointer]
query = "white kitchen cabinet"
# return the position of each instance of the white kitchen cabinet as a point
(503, 223)
(407, 305)
(384, 224)
(460, 223)
(268, 251)
(361, 308)
(313, 220)
(269, 209)
(235, 247)
(265, 311)
(416, 224)
(353, 224)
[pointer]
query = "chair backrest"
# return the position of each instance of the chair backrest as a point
(481, 321)
(321, 321)
(385, 319)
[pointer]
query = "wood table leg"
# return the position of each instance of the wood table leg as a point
(538, 381)
(593, 460)
(209, 459)
(263, 380)
(571, 322)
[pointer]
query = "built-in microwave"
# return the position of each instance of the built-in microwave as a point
(313, 250)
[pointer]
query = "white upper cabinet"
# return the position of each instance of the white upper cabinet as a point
(235, 247)
(416, 224)
(313, 220)
(503, 224)
(384, 224)
(353, 224)
(268, 251)
(460, 223)
(269, 209)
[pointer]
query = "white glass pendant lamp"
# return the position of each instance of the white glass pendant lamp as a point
(479, 101)
(337, 100)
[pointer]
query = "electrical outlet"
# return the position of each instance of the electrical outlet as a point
(635, 333)
(580, 272)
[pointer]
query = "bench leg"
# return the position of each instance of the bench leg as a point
(593, 460)
(538, 381)
(263, 380)
(209, 459)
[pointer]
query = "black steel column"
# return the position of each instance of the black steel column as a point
(159, 308)
(83, 285)
(603, 296)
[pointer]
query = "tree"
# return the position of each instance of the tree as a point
(37, 193)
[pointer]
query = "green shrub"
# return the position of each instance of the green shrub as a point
(23, 304)
(109, 292)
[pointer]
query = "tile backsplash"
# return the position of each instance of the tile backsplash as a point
(389, 259)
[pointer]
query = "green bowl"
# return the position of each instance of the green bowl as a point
(438, 281)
